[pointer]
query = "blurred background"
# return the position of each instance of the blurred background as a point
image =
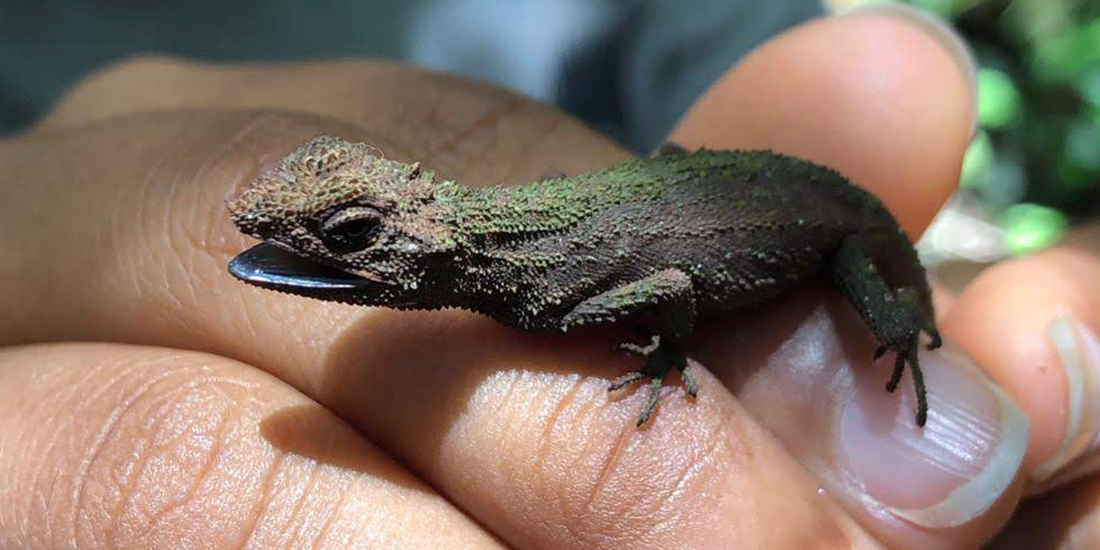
(629, 68)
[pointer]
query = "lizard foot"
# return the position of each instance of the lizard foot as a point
(659, 359)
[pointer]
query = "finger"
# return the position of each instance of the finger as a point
(112, 446)
(1056, 380)
(1043, 311)
(880, 98)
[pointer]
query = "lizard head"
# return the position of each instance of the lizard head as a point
(341, 222)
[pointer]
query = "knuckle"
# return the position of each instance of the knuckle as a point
(121, 87)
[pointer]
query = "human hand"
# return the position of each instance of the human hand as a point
(294, 422)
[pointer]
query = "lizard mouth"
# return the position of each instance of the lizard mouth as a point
(270, 266)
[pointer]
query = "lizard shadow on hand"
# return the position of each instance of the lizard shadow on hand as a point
(405, 377)
(314, 432)
(791, 361)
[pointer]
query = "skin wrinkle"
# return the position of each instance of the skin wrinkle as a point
(557, 416)
(204, 470)
(488, 123)
(99, 444)
(665, 499)
(607, 469)
(187, 253)
(46, 497)
(184, 246)
(116, 417)
(176, 294)
(695, 468)
(123, 242)
(176, 407)
(515, 377)
(295, 527)
(432, 92)
(716, 445)
(7, 479)
(37, 472)
(107, 234)
(250, 527)
(333, 515)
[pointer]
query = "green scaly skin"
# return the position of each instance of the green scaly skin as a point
(674, 235)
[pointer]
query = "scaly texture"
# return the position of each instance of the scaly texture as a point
(674, 235)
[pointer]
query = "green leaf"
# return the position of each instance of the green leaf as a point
(998, 99)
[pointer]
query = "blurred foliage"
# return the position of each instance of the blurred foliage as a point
(1035, 163)
(1030, 227)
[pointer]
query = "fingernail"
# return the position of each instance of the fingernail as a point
(938, 29)
(953, 469)
(1079, 352)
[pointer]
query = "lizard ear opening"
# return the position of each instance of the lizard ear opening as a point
(351, 229)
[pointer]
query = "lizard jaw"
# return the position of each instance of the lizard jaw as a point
(268, 265)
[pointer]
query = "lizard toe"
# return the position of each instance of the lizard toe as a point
(625, 380)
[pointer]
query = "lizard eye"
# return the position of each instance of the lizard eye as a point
(351, 229)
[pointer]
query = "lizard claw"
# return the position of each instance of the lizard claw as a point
(625, 380)
(895, 377)
(651, 401)
(936, 340)
(879, 353)
(655, 384)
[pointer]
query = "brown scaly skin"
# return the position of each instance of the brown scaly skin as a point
(675, 235)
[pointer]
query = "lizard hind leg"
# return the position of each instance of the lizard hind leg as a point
(877, 270)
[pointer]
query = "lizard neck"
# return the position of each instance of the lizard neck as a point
(504, 246)
(506, 213)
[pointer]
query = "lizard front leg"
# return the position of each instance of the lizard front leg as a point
(669, 292)
(878, 271)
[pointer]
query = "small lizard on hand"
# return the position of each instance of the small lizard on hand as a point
(675, 235)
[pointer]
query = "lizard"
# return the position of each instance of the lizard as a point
(672, 236)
